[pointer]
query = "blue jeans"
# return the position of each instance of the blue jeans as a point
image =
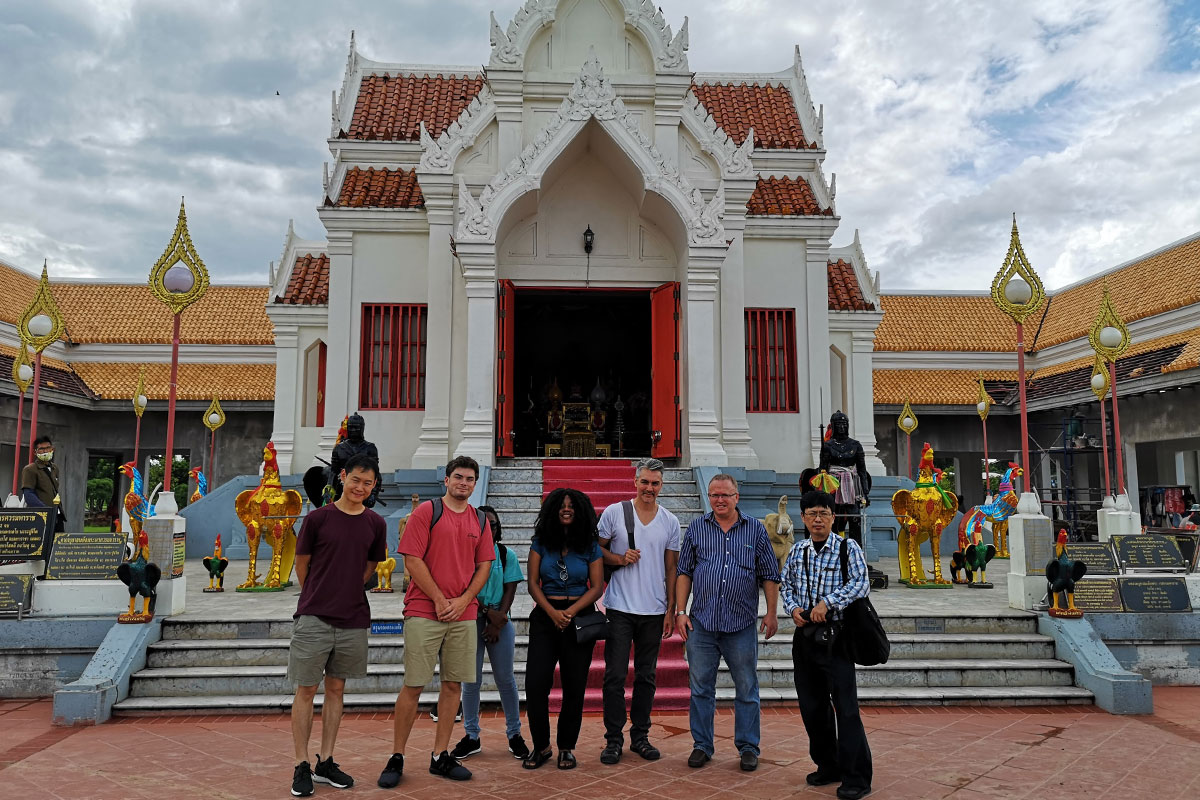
(500, 653)
(740, 650)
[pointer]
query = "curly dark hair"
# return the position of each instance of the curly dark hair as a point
(550, 533)
(497, 528)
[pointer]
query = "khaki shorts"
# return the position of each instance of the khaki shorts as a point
(425, 639)
(320, 649)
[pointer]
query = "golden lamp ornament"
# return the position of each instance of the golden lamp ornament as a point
(1099, 381)
(179, 277)
(1109, 335)
(1016, 289)
(139, 399)
(22, 373)
(984, 404)
(214, 415)
(907, 421)
(41, 324)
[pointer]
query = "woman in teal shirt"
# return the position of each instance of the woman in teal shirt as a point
(566, 577)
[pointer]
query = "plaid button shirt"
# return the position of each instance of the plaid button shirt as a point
(810, 576)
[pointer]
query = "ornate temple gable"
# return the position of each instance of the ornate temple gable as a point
(301, 276)
(734, 159)
(440, 154)
(510, 46)
(592, 97)
(852, 287)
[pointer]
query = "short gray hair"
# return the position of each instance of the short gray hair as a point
(652, 464)
(724, 476)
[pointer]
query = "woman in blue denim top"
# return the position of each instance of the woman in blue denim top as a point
(566, 577)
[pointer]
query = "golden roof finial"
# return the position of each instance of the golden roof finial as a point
(984, 404)
(42, 304)
(1108, 318)
(907, 421)
(179, 250)
(1016, 266)
(214, 408)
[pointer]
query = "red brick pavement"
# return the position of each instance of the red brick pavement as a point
(960, 753)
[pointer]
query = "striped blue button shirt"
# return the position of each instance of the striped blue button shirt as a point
(810, 577)
(726, 570)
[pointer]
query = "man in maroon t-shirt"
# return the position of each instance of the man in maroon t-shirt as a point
(336, 551)
(447, 565)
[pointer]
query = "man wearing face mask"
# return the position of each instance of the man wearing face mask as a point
(39, 481)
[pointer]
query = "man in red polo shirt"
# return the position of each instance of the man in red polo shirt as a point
(448, 565)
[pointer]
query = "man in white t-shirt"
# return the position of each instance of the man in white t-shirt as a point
(640, 601)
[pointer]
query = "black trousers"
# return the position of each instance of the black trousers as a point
(828, 699)
(549, 646)
(644, 633)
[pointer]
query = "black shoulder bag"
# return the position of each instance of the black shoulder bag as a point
(863, 638)
(627, 508)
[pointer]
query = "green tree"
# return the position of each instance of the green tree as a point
(179, 477)
(99, 493)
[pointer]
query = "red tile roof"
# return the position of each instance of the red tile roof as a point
(768, 109)
(845, 294)
(784, 197)
(57, 378)
(391, 108)
(380, 188)
(309, 282)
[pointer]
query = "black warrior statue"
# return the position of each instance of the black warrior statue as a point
(323, 484)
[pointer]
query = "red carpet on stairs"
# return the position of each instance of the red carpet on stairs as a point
(608, 481)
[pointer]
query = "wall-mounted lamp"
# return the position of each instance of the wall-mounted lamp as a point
(589, 239)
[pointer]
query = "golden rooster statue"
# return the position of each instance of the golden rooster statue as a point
(270, 511)
(923, 513)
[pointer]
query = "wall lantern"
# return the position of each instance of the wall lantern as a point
(589, 239)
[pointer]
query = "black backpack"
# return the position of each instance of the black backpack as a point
(862, 637)
(439, 507)
(627, 508)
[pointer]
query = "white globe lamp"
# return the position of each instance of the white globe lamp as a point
(40, 326)
(25, 373)
(1110, 337)
(179, 280)
(1018, 292)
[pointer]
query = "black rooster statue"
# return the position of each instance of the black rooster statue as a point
(1061, 576)
(141, 576)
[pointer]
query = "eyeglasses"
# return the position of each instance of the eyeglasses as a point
(721, 496)
(818, 515)
(562, 570)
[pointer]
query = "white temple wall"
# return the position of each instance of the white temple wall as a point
(580, 24)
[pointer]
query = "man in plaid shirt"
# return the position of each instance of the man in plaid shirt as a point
(814, 594)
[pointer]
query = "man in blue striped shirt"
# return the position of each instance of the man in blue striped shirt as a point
(814, 595)
(723, 559)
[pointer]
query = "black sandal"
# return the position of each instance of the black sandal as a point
(537, 758)
(566, 760)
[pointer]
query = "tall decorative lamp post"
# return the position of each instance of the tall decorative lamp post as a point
(140, 401)
(22, 375)
(1018, 292)
(1099, 384)
(177, 279)
(907, 422)
(38, 328)
(214, 417)
(983, 407)
(1110, 339)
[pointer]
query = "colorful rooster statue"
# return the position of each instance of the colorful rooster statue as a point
(136, 504)
(270, 512)
(216, 564)
(1061, 576)
(141, 576)
(973, 557)
(923, 514)
(201, 484)
(996, 512)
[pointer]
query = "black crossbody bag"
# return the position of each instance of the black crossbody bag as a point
(863, 638)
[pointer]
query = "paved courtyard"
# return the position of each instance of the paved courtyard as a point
(958, 753)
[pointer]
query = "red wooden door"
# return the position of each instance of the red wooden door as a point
(505, 334)
(664, 371)
(322, 354)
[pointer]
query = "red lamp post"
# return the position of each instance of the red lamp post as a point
(1100, 389)
(983, 407)
(214, 417)
(39, 327)
(1110, 339)
(22, 375)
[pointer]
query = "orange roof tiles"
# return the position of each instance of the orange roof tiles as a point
(380, 188)
(845, 293)
(960, 323)
(391, 108)
(55, 375)
(309, 282)
(19, 288)
(1136, 348)
(784, 197)
(933, 387)
(768, 109)
(129, 314)
(196, 381)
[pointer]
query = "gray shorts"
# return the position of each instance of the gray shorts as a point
(319, 649)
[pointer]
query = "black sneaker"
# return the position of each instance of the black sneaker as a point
(447, 767)
(517, 746)
(390, 777)
(302, 780)
(327, 771)
(465, 747)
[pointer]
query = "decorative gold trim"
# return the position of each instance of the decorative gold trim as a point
(984, 398)
(1108, 316)
(43, 303)
(22, 357)
(179, 249)
(214, 408)
(1100, 369)
(139, 391)
(907, 412)
(1016, 264)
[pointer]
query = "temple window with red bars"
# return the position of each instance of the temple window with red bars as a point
(392, 372)
(771, 360)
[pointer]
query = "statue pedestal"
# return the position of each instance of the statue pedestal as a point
(1118, 520)
(1031, 543)
(168, 550)
(102, 598)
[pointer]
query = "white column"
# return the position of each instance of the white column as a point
(287, 389)
(735, 426)
(862, 398)
(434, 447)
(479, 416)
(507, 91)
(702, 423)
(816, 355)
(341, 367)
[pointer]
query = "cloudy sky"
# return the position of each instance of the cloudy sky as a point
(941, 119)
